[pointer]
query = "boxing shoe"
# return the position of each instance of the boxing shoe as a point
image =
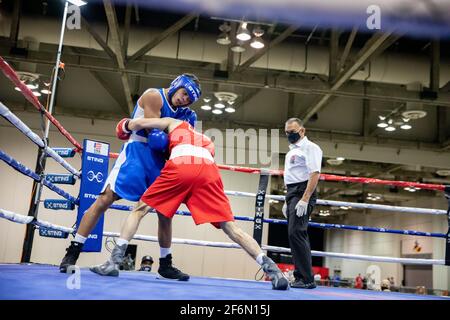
(71, 257)
(167, 271)
(279, 281)
(111, 267)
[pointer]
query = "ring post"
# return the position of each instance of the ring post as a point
(40, 166)
(94, 172)
(34, 206)
(259, 205)
(447, 239)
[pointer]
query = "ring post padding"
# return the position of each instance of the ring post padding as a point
(95, 170)
(259, 205)
(447, 239)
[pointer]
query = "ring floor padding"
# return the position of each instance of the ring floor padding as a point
(45, 282)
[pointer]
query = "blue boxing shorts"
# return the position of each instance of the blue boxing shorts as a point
(135, 170)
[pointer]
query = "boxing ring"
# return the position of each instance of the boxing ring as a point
(36, 281)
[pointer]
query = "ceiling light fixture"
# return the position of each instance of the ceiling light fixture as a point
(243, 34)
(223, 39)
(390, 128)
(230, 109)
(206, 107)
(405, 126)
(257, 43)
(237, 47)
(217, 111)
(219, 105)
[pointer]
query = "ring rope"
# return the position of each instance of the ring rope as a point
(331, 177)
(350, 204)
(14, 120)
(26, 171)
(11, 216)
(30, 173)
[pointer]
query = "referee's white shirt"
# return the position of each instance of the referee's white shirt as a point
(304, 158)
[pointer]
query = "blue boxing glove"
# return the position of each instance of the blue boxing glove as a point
(158, 140)
(186, 114)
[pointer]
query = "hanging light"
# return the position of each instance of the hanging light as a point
(405, 126)
(257, 43)
(258, 31)
(340, 158)
(219, 105)
(237, 47)
(223, 39)
(390, 128)
(206, 107)
(32, 86)
(17, 89)
(78, 3)
(230, 109)
(243, 34)
(217, 111)
(45, 91)
(37, 94)
(382, 125)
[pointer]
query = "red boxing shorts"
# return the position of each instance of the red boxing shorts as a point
(199, 186)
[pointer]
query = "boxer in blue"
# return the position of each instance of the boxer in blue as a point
(139, 163)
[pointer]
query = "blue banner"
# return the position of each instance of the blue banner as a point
(57, 204)
(60, 178)
(65, 152)
(94, 170)
(50, 233)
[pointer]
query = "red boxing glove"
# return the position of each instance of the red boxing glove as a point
(122, 131)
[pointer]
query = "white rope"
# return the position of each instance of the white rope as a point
(14, 217)
(381, 207)
(6, 113)
(24, 219)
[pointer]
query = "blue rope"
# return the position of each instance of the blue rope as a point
(318, 225)
(30, 173)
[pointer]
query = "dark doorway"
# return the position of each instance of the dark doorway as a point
(278, 236)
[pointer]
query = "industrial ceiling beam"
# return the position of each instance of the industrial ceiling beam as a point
(98, 38)
(126, 29)
(286, 33)
(115, 39)
(177, 26)
(364, 55)
(347, 48)
(15, 21)
(168, 68)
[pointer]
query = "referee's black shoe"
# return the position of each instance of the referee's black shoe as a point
(300, 284)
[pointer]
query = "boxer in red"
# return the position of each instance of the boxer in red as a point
(190, 176)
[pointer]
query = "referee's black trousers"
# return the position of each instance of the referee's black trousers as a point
(298, 232)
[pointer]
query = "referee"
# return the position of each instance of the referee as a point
(301, 175)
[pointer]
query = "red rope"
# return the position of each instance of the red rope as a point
(330, 177)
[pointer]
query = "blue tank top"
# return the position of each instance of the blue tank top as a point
(138, 112)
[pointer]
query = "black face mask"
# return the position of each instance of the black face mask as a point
(293, 137)
(146, 268)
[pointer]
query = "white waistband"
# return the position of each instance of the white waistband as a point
(135, 137)
(190, 150)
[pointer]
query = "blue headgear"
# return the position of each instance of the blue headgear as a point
(185, 81)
